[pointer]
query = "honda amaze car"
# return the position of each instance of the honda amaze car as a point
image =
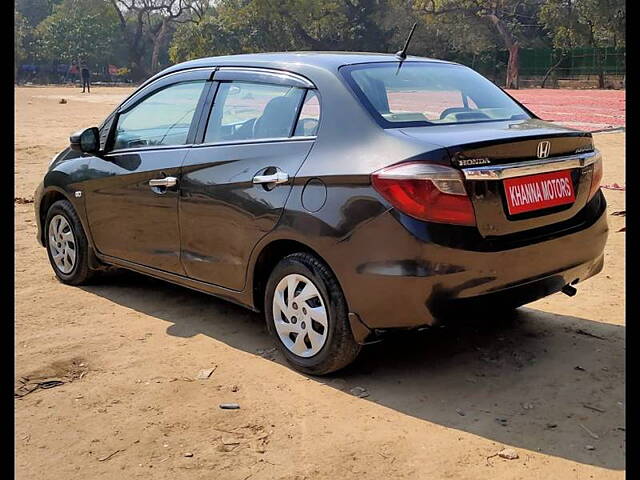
(344, 195)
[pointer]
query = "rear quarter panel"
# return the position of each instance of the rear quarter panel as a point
(349, 147)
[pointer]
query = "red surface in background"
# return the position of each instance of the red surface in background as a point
(584, 109)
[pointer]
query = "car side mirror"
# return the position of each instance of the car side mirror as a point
(85, 141)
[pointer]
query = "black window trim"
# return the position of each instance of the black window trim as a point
(299, 112)
(150, 89)
(262, 75)
(153, 148)
(205, 112)
(163, 82)
(255, 141)
(195, 137)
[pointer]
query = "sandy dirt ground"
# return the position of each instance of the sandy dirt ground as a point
(548, 383)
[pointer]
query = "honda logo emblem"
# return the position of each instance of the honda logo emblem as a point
(544, 149)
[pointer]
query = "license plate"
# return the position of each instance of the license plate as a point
(535, 192)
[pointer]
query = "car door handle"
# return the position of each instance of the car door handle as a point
(163, 182)
(274, 179)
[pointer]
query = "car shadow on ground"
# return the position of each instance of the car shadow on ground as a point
(534, 380)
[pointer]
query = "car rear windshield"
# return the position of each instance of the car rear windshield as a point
(424, 93)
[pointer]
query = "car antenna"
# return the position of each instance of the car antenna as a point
(402, 54)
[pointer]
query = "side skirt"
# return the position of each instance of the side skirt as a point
(239, 298)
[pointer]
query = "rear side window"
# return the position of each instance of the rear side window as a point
(163, 118)
(309, 118)
(249, 111)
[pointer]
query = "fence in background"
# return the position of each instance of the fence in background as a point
(578, 67)
(575, 62)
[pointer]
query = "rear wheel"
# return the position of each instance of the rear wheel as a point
(307, 314)
(67, 244)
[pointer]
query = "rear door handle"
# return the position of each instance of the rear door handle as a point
(163, 182)
(274, 179)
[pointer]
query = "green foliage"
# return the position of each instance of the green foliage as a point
(237, 26)
(483, 22)
(34, 11)
(573, 23)
(211, 36)
(144, 35)
(22, 34)
(323, 24)
(78, 29)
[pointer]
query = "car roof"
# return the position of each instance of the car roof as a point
(297, 62)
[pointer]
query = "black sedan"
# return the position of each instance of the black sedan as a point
(344, 195)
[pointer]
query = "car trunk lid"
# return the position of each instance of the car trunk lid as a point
(519, 175)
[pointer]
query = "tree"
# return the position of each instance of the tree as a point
(147, 23)
(27, 15)
(144, 35)
(78, 29)
(327, 24)
(509, 19)
(597, 23)
(34, 11)
(440, 36)
(235, 26)
(21, 31)
(214, 34)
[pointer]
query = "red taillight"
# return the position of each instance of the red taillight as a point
(596, 176)
(434, 193)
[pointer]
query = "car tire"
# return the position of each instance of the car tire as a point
(317, 313)
(66, 244)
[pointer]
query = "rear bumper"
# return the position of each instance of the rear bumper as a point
(520, 293)
(403, 278)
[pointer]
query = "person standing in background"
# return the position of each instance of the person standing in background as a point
(73, 72)
(86, 76)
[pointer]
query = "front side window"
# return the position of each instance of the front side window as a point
(249, 111)
(164, 118)
(421, 93)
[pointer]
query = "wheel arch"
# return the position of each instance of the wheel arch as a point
(49, 198)
(267, 259)
(270, 254)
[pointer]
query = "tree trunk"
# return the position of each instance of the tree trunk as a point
(551, 69)
(138, 71)
(157, 44)
(512, 46)
(512, 67)
(601, 64)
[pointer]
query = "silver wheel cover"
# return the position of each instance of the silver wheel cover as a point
(300, 316)
(62, 244)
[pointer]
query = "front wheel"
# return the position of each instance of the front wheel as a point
(67, 244)
(307, 314)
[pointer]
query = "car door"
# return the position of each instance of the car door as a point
(237, 180)
(132, 203)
